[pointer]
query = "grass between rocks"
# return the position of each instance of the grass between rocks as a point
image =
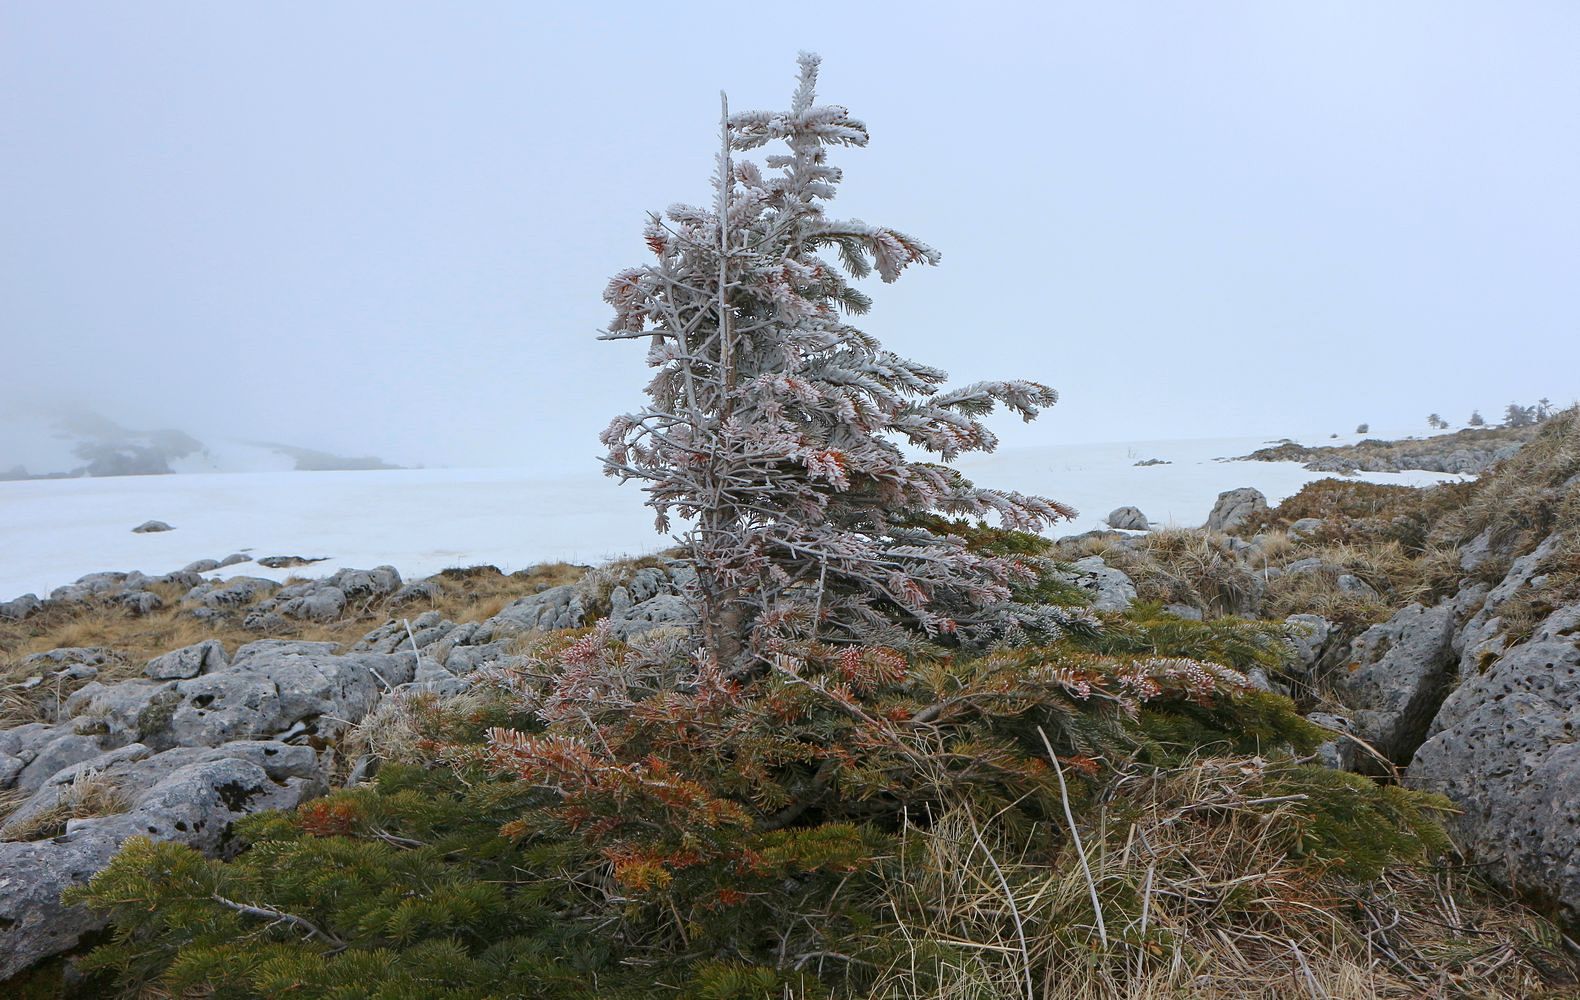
(1387, 456)
(130, 641)
(1211, 873)
(90, 795)
(1188, 849)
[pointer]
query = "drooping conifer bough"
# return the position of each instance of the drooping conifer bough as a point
(775, 428)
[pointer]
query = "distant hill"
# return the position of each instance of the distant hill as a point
(1470, 451)
(62, 446)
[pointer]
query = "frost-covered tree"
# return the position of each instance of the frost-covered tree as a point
(1476, 419)
(1515, 415)
(1363, 428)
(1436, 422)
(777, 429)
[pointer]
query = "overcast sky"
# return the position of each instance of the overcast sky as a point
(386, 227)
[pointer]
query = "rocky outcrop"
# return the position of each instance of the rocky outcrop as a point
(187, 662)
(1128, 519)
(1505, 746)
(1110, 588)
(1305, 527)
(192, 796)
(19, 608)
(148, 527)
(1482, 640)
(1470, 451)
(1235, 507)
(203, 740)
(1396, 678)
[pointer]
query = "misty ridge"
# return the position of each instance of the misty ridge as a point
(40, 445)
(60, 443)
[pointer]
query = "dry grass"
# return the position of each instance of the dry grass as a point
(1196, 568)
(90, 795)
(1200, 569)
(1525, 498)
(401, 730)
(1201, 897)
(470, 594)
(1529, 606)
(1178, 566)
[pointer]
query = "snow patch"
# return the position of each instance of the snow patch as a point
(425, 520)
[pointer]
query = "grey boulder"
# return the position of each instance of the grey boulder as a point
(1397, 677)
(1503, 748)
(1128, 519)
(189, 661)
(189, 796)
(1110, 588)
(1235, 507)
(1306, 527)
(558, 607)
(19, 608)
(663, 610)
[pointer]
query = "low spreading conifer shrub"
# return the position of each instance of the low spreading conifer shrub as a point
(612, 821)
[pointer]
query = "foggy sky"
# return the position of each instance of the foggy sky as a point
(385, 228)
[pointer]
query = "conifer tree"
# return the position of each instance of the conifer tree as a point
(778, 429)
(1476, 419)
(1515, 415)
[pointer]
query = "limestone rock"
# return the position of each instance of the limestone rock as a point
(1128, 519)
(1503, 749)
(1110, 588)
(1306, 527)
(1397, 677)
(232, 593)
(189, 661)
(19, 608)
(558, 607)
(190, 796)
(656, 612)
(1235, 507)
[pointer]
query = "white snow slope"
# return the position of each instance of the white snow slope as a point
(424, 520)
